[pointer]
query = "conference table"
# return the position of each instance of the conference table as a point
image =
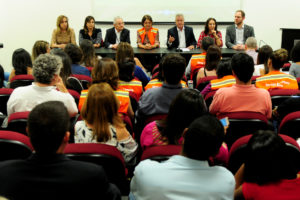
(161, 51)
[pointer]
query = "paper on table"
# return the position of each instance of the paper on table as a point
(185, 49)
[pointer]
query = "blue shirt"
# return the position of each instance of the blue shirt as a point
(181, 178)
(141, 75)
(78, 69)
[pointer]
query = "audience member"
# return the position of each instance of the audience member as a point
(188, 175)
(89, 58)
(242, 96)
(158, 100)
(47, 173)
(21, 62)
(75, 53)
(124, 51)
(295, 56)
(237, 34)
(212, 60)
(117, 34)
(47, 86)
(198, 60)
(107, 72)
(211, 30)
(225, 77)
(102, 122)
(69, 81)
(263, 56)
(89, 32)
(268, 171)
(127, 81)
(276, 79)
(251, 47)
(40, 47)
(181, 36)
(147, 37)
(63, 34)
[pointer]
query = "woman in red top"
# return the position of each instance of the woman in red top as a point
(268, 171)
(211, 30)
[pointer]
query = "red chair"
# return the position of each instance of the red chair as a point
(154, 117)
(161, 153)
(21, 80)
(280, 95)
(90, 69)
(238, 153)
(204, 81)
(14, 145)
(4, 96)
(244, 123)
(17, 122)
(290, 125)
(253, 79)
(75, 95)
(85, 80)
(109, 157)
(209, 97)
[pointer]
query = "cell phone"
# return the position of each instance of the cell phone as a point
(224, 121)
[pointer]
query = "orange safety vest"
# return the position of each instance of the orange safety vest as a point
(134, 86)
(197, 62)
(157, 83)
(225, 81)
(123, 97)
(151, 34)
(277, 79)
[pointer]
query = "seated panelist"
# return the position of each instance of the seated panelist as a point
(211, 30)
(147, 37)
(89, 32)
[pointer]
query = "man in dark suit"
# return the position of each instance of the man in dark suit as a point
(237, 34)
(116, 34)
(47, 173)
(181, 36)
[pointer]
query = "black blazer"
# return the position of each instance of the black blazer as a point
(54, 177)
(189, 37)
(110, 37)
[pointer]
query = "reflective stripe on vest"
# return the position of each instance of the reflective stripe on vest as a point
(277, 80)
(226, 81)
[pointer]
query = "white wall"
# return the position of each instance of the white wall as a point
(23, 22)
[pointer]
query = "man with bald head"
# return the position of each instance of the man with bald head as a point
(116, 34)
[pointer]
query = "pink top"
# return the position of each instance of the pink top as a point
(152, 137)
(241, 98)
(285, 189)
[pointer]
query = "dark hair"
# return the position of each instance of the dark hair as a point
(21, 60)
(126, 69)
(46, 131)
(87, 19)
(159, 75)
(2, 78)
(213, 57)
(145, 17)
(173, 68)
(207, 42)
(243, 66)
(263, 56)
(224, 67)
(65, 71)
(74, 52)
(177, 120)
(242, 13)
(295, 53)
(89, 57)
(203, 138)
(267, 159)
(124, 50)
(206, 29)
(279, 57)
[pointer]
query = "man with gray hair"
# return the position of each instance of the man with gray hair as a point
(251, 47)
(47, 86)
(116, 34)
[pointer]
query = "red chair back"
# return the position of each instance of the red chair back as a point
(18, 121)
(161, 153)
(202, 83)
(85, 80)
(4, 96)
(21, 80)
(290, 125)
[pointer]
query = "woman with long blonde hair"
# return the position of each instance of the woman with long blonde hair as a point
(102, 122)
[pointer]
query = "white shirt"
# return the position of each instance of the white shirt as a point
(181, 37)
(239, 32)
(26, 98)
(118, 38)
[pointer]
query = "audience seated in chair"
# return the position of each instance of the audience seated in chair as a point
(47, 86)
(102, 122)
(251, 47)
(263, 56)
(48, 173)
(295, 56)
(242, 96)
(40, 47)
(89, 57)
(276, 79)
(188, 175)
(268, 171)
